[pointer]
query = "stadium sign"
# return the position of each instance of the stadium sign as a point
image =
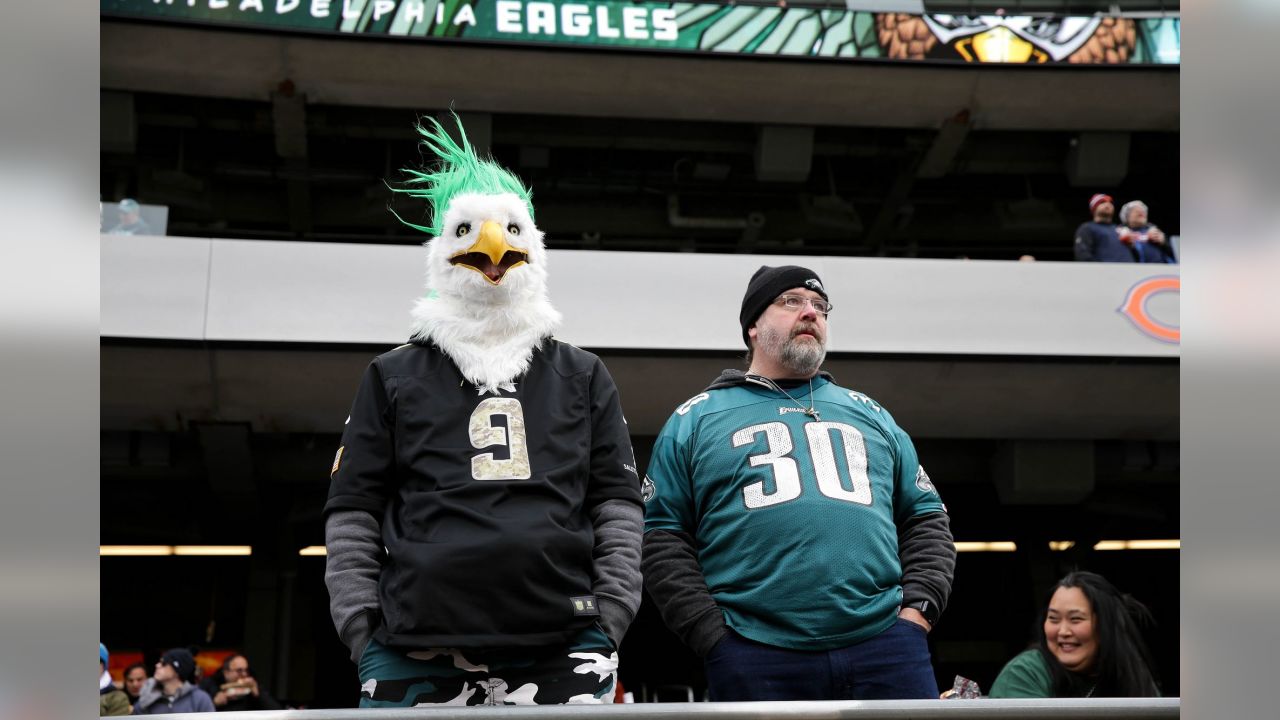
(704, 27)
(1135, 307)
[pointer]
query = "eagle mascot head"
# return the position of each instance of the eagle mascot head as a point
(486, 303)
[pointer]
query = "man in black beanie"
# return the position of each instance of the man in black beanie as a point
(170, 690)
(792, 538)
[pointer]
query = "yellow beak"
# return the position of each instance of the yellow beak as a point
(999, 45)
(492, 244)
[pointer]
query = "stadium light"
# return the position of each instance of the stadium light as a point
(211, 550)
(986, 547)
(1138, 545)
(170, 550)
(1060, 545)
(135, 550)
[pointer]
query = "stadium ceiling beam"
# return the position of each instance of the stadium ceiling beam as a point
(289, 119)
(941, 155)
(933, 163)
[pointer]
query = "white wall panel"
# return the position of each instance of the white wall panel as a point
(312, 292)
(341, 293)
(990, 307)
(154, 287)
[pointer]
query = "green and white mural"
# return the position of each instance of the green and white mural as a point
(709, 27)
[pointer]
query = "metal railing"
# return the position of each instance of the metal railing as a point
(1117, 708)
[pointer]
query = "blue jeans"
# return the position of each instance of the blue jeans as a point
(893, 665)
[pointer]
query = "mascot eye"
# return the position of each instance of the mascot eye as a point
(514, 229)
(463, 229)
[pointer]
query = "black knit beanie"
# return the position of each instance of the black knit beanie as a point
(770, 282)
(182, 661)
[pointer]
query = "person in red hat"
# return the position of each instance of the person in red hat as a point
(1097, 240)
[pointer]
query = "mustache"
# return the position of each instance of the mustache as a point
(808, 329)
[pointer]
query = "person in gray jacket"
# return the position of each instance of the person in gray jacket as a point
(170, 689)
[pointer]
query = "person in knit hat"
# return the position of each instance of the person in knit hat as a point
(792, 538)
(111, 700)
(170, 689)
(1098, 240)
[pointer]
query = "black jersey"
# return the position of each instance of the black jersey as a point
(483, 499)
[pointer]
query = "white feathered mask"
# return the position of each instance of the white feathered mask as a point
(486, 303)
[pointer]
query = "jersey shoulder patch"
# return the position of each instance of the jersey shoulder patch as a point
(689, 404)
(865, 401)
(923, 483)
(647, 489)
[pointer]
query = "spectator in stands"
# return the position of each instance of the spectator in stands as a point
(1148, 242)
(234, 687)
(135, 676)
(1097, 240)
(450, 583)
(131, 222)
(1089, 645)
(793, 539)
(111, 700)
(170, 690)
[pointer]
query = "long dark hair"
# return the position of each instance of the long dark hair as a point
(1122, 667)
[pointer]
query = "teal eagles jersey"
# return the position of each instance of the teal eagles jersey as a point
(794, 518)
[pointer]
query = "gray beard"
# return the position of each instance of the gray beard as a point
(800, 358)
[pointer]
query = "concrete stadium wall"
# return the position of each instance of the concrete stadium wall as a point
(261, 291)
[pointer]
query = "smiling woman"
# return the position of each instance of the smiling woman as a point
(1068, 630)
(1090, 645)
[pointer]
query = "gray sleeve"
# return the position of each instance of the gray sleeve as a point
(202, 702)
(674, 579)
(927, 552)
(618, 526)
(353, 543)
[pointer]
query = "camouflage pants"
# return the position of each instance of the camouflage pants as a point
(584, 671)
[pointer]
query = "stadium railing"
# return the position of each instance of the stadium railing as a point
(1093, 708)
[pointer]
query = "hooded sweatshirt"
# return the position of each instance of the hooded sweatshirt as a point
(188, 699)
(796, 531)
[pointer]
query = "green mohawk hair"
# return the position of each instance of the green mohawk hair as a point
(459, 171)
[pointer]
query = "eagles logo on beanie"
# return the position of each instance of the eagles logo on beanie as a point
(770, 282)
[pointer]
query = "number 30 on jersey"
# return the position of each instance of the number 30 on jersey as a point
(822, 451)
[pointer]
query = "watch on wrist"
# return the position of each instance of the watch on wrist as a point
(925, 608)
